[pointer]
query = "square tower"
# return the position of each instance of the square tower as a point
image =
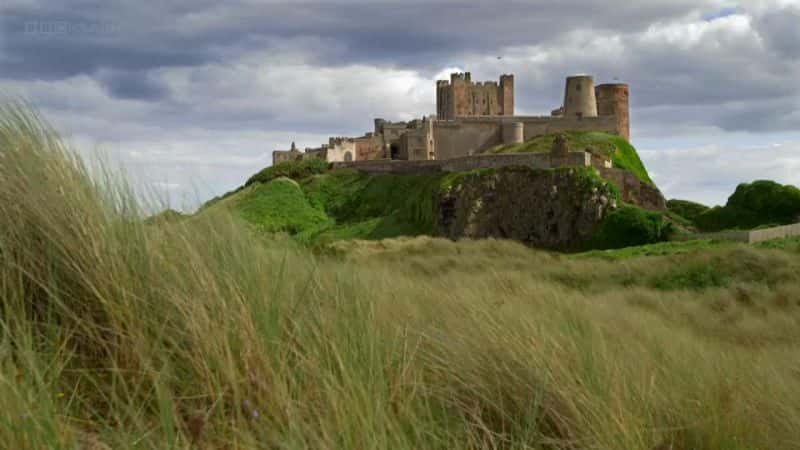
(460, 97)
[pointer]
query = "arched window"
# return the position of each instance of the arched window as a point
(348, 157)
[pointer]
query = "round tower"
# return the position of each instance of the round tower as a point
(613, 100)
(513, 133)
(579, 99)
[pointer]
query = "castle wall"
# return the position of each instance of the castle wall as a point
(417, 143)
(279, 156)
(469, 135)
(393, 131)
(341, 149)
(467, 163)
(370, 147)
(461, 138)
(537, 126)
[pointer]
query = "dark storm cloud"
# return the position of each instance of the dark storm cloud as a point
(132, 85)
(781, 30)
(139, 35)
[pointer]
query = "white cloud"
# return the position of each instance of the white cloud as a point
(709, 174)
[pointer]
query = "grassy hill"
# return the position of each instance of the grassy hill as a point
(621, 152)
(328, 206)
(203, 333)
(342, 204)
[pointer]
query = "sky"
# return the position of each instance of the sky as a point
(190, 97)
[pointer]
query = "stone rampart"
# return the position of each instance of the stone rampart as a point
(466, 163)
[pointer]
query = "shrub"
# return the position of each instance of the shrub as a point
(687, 209)
(629, 226)
(753, 204)
(295, 170)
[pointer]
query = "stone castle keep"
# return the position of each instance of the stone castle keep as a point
(471, 117)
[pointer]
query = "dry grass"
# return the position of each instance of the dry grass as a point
(117, 334)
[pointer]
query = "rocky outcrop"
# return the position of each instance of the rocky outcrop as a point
(553, 208)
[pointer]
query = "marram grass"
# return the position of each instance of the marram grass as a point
(201, 334)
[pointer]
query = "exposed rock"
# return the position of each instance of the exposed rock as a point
(556, 208)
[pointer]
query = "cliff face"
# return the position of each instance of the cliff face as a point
(556, 209)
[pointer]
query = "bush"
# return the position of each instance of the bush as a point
(629, 226)
(295, 170)
(752, 205)
(687, 209)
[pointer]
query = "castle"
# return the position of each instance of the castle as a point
(471, 117)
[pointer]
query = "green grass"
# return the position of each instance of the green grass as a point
(657, 249)
(621, 152)
(295, 170)
(279, 206)
(791, 244)
(204, 334)
(341, 204)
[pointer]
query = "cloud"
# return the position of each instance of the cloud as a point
(132, 85)
(199, 92)
(780, 28)
(710, 173)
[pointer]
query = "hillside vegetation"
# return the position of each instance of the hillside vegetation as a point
(201, 333)
(621, 152)
(752, 205)
(329, 206)
(686, 209)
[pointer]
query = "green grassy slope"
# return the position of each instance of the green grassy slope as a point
(201, 334)
(622, 153)
(342, 204)
(345, 204)
(279, 205)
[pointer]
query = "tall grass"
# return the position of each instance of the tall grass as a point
(202, 334)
